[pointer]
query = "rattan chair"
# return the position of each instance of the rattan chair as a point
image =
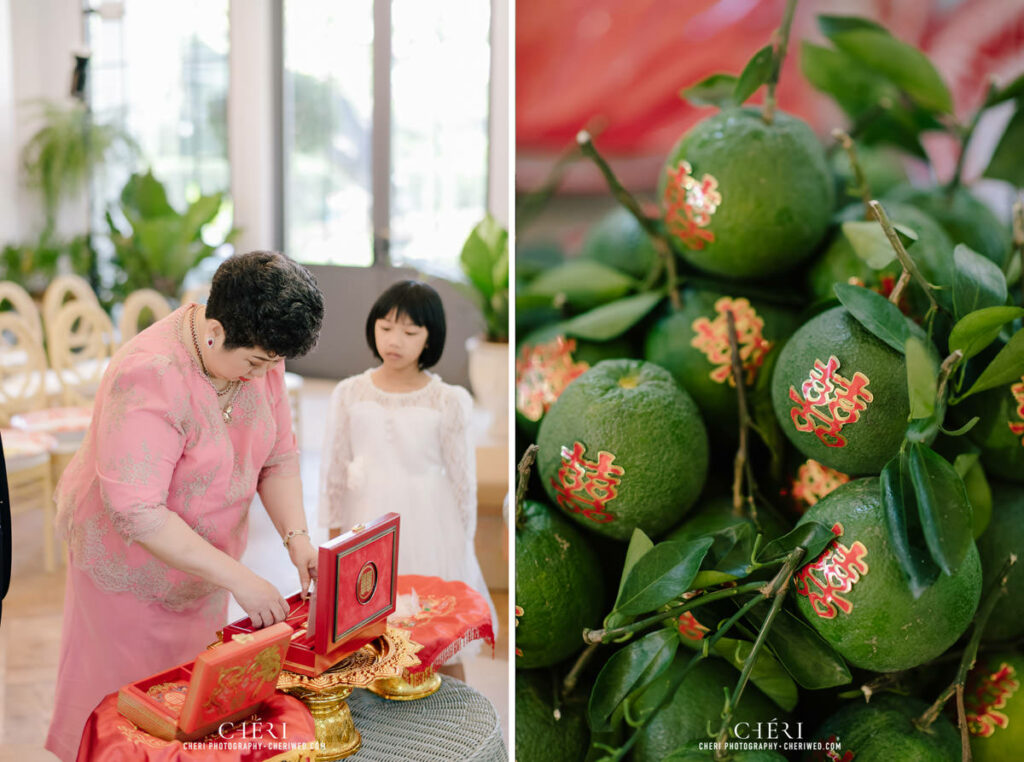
(23, 370)
(23, 306)
(80, 341)
(30, 482)
(144, 302)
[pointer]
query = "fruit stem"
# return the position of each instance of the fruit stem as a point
(996, 591)
(741, 464)
(603, 635)
(780, 41)
(777, 590)
(628, 200)
(901, 253)
(946, 370)
(863, 189)
(534, 202)
(524, 467)
(569, 684)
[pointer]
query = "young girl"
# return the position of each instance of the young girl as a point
(398, 440)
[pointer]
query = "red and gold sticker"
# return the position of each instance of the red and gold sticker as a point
(519, 613)
(690, 204)
(712, 338)
(833, 573)
(987, 693)
(827, 402)
(587, 486)
(814, 481)
(1017, 427)
(831, 751)
(690, 628)
(542, 373)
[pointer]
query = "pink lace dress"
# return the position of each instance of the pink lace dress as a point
(157, 444)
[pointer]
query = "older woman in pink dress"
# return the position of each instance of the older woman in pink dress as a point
(190, 421)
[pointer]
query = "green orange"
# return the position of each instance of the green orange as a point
(994, 703)
(883, 730)
(1000, 429)
(623, 447)
(559, 587)
(743, 198)
(840, 393)
(544, 734)
(1003, 537)
(857, 598)
(618, 240)
(693, 345)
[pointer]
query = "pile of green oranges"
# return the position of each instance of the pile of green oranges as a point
(637, 430)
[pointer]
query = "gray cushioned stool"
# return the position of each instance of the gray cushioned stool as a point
(457, 723)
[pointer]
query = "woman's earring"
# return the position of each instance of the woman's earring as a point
(209, 342)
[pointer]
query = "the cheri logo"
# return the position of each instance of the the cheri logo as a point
(253, 730)
(773, 730)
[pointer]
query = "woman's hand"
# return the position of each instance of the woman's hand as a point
(304, 556)
(261, 601)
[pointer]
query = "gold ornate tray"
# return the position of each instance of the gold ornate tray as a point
(387, 656)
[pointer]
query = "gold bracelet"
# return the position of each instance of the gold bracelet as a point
(293, 533)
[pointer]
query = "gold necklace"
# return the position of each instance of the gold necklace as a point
(199, 354)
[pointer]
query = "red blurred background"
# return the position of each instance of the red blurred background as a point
(617, 66)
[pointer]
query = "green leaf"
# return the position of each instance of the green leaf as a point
(1007, 366)
(962, 430)
(942, 506)
(903, 527)
(876, 313)
(768, 675)
(902, 64)
(639, 545)
(839, 76)
(979, 494)
(646, 701)
(583, 283)
(871, 245)
(1007, 161)
(710, 577)
(629, 669)
(812, 535)
(613, 319)
(716, 90)
(922, 379)
(997, 95)
(830, 26)
(807, 656)
(484, 248)
(755, 73)
(976, 330)
(977, 282)
(663, 573)
(144, 195)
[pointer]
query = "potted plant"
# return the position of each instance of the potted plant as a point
(484, 262)
(155, 245)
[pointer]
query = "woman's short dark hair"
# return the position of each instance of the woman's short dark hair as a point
(422, 305)
(264, 299)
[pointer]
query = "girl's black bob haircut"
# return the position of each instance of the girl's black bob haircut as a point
(422, 305)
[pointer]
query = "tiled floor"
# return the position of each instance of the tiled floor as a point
(30, 631)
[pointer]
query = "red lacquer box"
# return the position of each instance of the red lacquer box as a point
(223, 684)
(356, 590)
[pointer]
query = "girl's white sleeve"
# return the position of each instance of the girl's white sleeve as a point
(459, 454)
(335, 457)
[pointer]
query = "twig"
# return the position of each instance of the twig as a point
(996, 591)
(776, 589)
(961, 713)
(901, 284)
(624, 197)
(524, 467)
(780, 40)
(908, 264)
(603, 635)
(741, 462)
(946, 369)
(569, 684)
(533, 203)
(863, 189)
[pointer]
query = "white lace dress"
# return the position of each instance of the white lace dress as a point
(407, 452)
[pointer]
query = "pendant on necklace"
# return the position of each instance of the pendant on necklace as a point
(227, 414)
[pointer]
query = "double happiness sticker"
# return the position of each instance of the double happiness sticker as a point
(712, 338)
(689, 205)
(587, 486)
(814, 481)
(827, 402)
(833, 574)
(987, 693)
(1017, 427)
(542, 373)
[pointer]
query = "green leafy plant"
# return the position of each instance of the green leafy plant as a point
(62, 153)
(34, 265)
(484, 262)
(160, 245)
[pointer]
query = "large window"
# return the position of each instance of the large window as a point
(435, 112)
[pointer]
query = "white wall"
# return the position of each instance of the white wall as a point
(8, 145)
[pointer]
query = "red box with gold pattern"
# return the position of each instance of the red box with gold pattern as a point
(356, 590)
(223, 684)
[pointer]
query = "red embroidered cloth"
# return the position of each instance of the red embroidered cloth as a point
(278, 733)
(451, 614)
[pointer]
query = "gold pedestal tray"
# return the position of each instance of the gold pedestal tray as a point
(336, 734)
(406, 687)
